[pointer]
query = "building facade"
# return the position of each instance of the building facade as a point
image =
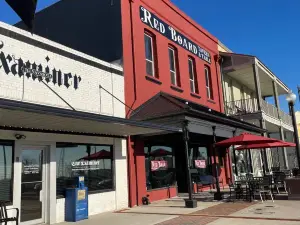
(249, 87)
(62, 116)
(172, 78)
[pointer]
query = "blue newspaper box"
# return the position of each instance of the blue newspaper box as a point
(76, 202)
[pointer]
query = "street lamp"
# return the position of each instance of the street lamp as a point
(291, 98)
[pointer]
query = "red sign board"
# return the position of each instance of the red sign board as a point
(200, 164)
(156, 165)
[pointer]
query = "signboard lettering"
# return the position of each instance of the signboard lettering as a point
(85, 165)
(200, 164)
(159, 165)
(31, 169)
(172, 34)
(35, 71)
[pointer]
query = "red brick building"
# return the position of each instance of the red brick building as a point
(171, 77)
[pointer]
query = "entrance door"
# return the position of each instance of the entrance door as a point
(33, 185)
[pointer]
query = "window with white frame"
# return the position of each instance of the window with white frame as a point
(209, 92)
(192, 75)
(149, 53)
(173, 66)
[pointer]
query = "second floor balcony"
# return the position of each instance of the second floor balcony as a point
(248, 109)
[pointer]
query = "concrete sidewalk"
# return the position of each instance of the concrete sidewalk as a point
(173, 212)
(138, 216)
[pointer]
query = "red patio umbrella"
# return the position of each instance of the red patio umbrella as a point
(245, 139)
(277, 144)
(98, 155)
(160, 152)
(267, 145)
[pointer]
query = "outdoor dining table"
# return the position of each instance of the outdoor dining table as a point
(249, 185)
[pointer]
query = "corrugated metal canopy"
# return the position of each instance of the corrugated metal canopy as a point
(31, 116)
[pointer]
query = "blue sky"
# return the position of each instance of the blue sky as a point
(269, 29)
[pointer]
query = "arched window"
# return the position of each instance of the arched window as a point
(150, 54)
(193, 75)
(208, 83)
(173, 61)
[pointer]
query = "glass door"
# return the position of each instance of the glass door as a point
(32, 186)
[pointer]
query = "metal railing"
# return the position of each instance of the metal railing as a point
(241, 107)
(286, 118)
(245, 106)
(269, 109)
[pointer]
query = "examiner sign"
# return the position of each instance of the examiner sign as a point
(168, 31)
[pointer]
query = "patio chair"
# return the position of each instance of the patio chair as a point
(235, 190)
(263, 187)
(279, 181)
(275, 169)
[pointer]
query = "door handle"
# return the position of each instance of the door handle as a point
(41, 195)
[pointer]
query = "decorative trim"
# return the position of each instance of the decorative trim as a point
(176, 88)
(153, 79)
(195, 95)
(55, 50)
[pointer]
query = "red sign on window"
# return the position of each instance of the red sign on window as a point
(200, 164)
(156, 165)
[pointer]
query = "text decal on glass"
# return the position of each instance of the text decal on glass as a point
(168, 31)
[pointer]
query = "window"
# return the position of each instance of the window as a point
(193, 78)
(149, 53)
(160, 167)
(209, 91)
(94, 162)
(201, 160)
(6, 170)
(173, 66)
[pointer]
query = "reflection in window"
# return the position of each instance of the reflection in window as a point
(160, 167)
(201, 160)
(94, 162)
(6, 168)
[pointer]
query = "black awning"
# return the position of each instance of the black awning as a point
(169, 109)
(28, 116)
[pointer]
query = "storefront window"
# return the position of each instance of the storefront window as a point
(6, 170)
(201, 160)
(94, 162)
(160, 167)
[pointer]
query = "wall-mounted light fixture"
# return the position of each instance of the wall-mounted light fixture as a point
(20, 136)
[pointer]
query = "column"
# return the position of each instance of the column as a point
(285, 159)
(257, 85)
(263, 151)
(275, 94)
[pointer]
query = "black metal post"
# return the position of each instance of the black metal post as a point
(189, 203)
(234, 156)
(250, 160)
(296, 137)
(218, 194)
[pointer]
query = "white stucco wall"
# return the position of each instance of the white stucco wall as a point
(86, 97)
(99, 202)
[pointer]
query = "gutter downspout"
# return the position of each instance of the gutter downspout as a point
(131, 158)
(222, 80)
(217, 73)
